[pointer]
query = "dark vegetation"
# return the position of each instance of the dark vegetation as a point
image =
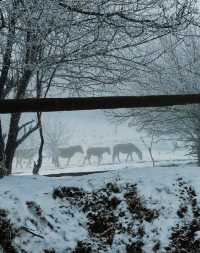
(106, 217)
(7, 233)
(184, 236)
(113, 210)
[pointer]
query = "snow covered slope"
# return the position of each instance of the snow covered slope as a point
(130, 210)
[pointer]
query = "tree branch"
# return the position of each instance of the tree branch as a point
(25, 124)
(26, 135)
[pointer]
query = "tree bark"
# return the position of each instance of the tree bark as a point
(198, 151)
(7, 56)
(3, 170)
(38, 165)
(11, 141)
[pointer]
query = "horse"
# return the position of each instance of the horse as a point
(96, 151)
(128, 149)
(24, 154)
(69, 152)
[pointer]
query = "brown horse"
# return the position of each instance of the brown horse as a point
(128, 149)
(69, 152)
(96, 151)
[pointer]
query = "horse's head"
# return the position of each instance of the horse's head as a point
(80, 149)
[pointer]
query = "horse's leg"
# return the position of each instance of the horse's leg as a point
(100, 157)
(55, 160)
(127, 157)
(21, 162)
(118, 158)
(28, 162)
(68, 161)
(89, 160)
(131, 154)
(57, 163)
(17, 162)
(113, 158)
(84, 160)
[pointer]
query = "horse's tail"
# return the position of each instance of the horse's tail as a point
(138, 152)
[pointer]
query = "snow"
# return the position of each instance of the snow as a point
(92, 129)
(60, 224)
(158, 188)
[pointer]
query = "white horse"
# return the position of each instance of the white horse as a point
(128, 149)
(96, 151)
(69, 152)
(24, 154)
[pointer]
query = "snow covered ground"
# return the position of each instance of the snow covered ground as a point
(92, 129)
(135, 209)
(132, 208)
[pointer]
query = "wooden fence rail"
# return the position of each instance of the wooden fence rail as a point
(93, 103)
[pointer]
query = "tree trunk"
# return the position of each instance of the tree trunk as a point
(198, 154)
(12, 140)
(2, 151)
(3, 170)
(38, 165)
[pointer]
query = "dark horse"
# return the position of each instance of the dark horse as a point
(96, 151)
(69, 152)
(128, 149)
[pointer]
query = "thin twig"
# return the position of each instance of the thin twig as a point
(31, 232)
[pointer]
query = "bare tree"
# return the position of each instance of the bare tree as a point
(177, 71)
(76, 47)
(149, 147)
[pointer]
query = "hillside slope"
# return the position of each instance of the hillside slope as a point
(139, 210)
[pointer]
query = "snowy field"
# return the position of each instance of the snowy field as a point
(132, 208)
(136, 209)
(92, 129)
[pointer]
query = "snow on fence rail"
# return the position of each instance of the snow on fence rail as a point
(93, 103)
